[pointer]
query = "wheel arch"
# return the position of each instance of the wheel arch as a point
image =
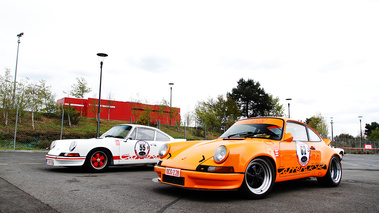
(105, 149)
(267, 157)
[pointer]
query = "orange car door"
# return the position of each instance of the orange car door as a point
(299, 157)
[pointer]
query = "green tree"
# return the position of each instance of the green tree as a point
(40, 98)
(370, 127)
(217, 113)
(277, 109)
(374, 136)
(6, 91)
(79, 89)
(251, 98)
(319, 124)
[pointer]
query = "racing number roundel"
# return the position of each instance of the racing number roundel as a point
(302, 153)
(142, 149)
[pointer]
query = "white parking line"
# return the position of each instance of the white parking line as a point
(30, 163)
(353, 164)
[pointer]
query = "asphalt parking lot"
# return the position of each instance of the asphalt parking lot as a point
(28, 185)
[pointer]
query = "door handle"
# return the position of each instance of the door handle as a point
(313, 148)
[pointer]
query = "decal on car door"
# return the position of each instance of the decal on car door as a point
(142, 149)
(302, 153)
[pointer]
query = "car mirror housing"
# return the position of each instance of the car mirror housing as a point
(288, 137)
(327, 141)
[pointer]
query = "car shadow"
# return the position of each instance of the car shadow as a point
(279, 190)
(111, 169)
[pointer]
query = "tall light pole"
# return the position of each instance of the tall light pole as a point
(101, 56)
(171, 84)
(331, 123)
(289, 111)
(360, 123)
(15, 72)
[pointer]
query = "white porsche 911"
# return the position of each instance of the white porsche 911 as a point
(125, 144)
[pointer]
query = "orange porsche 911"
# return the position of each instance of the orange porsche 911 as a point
(251, 156)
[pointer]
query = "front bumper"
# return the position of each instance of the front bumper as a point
(54, 160)
(201, 180)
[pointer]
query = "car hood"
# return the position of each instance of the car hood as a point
(202, 153)
(64, 145)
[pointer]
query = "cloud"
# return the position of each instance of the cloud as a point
(151, 63)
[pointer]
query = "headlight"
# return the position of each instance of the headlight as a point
(72, 146)
(163, 151)
(53, 144)
(220, 154)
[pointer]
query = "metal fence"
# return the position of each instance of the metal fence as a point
(357, 146)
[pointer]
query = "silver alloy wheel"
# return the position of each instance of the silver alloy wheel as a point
(335, 170)
(258, 176)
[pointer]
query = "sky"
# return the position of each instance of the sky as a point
(324, 55)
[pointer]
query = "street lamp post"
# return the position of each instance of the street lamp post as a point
(289, 111)
(360, 124)
(171, 84)
(101, 56)
(15, 72)
(331, 124)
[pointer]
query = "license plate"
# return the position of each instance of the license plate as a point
(173, 172)
(50, 162)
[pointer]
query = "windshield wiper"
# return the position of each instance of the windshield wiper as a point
(113, 136)
(229, 136)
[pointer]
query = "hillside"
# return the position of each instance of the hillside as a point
(48, 129)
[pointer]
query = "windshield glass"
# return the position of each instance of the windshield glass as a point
(254, 129)
(120, 131)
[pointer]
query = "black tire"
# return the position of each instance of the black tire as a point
(97, 161)
(259, 178)
(333, 176)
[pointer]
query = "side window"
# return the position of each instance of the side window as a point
(298, 131)
(133, 135)
(145, 134)
(313, 137)
(161, 137)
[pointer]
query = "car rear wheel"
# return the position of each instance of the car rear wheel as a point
(259, 178)
(334, 174)
(98, 161)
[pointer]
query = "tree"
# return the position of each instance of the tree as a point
(319, 124)
(79, 90)
(371, 127)
(374, 136)
(251, 98)
(217, 113)
(6, 89)
(39, 97)
(206, 115)
(277, 109)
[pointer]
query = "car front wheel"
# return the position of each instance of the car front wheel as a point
(334, 174)
(259, 178)
(97, 161)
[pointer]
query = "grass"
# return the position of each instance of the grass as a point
(48, 128)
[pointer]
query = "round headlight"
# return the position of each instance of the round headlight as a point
(72, 146)
(163, 151)
(220, 154)
(53, 144)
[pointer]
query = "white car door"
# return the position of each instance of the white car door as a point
(136, 149)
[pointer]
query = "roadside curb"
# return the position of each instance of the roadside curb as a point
(27, 151)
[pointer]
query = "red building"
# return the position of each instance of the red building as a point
(122, 111)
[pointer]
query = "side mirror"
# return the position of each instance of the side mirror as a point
(327, 141)
(288, 137)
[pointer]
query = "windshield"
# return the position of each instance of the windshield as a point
(266, 131)
(120, 131)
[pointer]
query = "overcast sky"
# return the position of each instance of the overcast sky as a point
(322, 54)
